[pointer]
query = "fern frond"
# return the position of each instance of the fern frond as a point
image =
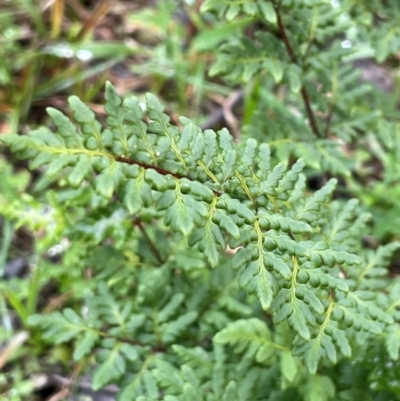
(293, 248)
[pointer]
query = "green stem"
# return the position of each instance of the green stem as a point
(5, 243)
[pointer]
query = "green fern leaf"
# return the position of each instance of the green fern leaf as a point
(84, 345)
(112, 366)
(175, 327)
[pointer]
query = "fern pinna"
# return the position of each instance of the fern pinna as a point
(293, 249)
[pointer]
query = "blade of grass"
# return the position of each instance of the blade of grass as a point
(17, 304)
(70, 77)
(5, 242)
(57, 13)
(33, 292)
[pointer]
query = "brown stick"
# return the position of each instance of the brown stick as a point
(159, 170)
(292, 55)
(153, 248)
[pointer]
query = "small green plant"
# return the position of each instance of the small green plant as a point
(199, 194)
(202, 269)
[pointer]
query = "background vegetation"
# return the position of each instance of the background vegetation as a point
(316, 80)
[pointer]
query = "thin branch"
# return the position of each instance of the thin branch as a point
(227, 110)
(158, 169)
(224, 115)
(148, 166)
(310, 113)
(151, 244)
(292, 55)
